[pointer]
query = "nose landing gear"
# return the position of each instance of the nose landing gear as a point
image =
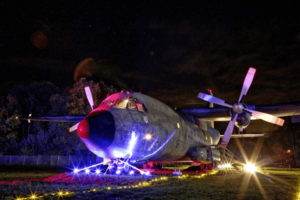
(118, 166)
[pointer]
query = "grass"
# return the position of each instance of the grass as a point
(271, 183)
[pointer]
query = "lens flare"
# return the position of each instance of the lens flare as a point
(250, 168)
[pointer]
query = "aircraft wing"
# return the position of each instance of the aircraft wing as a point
(75, 118)
(245, 135)
(223, 114)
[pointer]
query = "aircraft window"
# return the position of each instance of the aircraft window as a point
(110, 103)
(131, 105)
(140, 107)
(121, 103)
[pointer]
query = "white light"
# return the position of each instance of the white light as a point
(131, 172)
(250, 168)
(87, 171)
(147, 173)
(148, 137)
(76, 170)
(117, 154)
(97, 171)
(228, 165)
(118, 172)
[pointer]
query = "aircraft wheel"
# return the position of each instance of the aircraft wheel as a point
(159, 166)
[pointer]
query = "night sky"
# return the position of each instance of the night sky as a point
(170, 51)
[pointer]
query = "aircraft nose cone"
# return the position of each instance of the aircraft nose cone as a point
(98, 128)
(83, 129)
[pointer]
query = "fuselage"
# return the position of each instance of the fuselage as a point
(136, 126)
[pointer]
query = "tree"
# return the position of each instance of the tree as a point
(42, 99)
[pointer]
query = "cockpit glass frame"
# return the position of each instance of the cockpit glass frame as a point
(123, 101)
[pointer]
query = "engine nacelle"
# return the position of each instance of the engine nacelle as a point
(243, 119)
(198, 153)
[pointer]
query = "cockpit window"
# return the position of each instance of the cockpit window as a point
(131, 105)
(122, 101)
(118, 100)
(140, 107)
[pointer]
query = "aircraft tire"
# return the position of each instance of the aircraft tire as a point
(159, 166)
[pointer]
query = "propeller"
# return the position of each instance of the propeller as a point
(89, 96)
(238, 108)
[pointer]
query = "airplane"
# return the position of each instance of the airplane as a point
(132, 129)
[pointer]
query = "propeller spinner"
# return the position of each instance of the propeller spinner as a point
(239, 108)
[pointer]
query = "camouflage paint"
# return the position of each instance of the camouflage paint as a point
(172, 135)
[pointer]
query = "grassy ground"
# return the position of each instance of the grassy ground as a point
(271, 183)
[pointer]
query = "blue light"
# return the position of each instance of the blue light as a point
(118, 172)
(87, 171)
(131, 172)
(76, 170)
(132, 143)
(147, 173)
(97, 171)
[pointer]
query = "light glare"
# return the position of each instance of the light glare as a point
(250, 168)
(148, 137)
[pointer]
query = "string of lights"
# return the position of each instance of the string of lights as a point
(148, 183)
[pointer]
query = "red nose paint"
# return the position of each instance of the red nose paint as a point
(83, 129)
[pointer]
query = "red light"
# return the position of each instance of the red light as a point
(210, 90)
(127, 92)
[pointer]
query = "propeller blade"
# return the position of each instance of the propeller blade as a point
(266, 117)
(89, 96)
(73, 128)
(212, 99)
(228, 132)
(247, 83)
